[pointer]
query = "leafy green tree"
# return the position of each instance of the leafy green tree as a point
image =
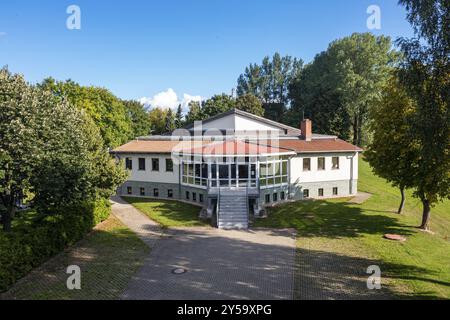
(270, 82)
(140, 122)
(49, 148)
(194, 113)
(341, 85)
(393, 154)
(157, 118)
(217, 104)
(251, 104)
(170, 121)
(179, 117)
(108, 112)
(425, 73)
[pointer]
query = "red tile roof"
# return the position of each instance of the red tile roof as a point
(231, 147)
(236, 147)
(319, 145)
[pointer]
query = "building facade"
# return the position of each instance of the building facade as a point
(236, 163)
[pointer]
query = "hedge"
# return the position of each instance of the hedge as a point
(29, 245)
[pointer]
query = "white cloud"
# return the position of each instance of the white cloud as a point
(188, 98)
(169, 99)
(2, 33)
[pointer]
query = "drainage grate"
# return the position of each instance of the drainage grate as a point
(179, 271)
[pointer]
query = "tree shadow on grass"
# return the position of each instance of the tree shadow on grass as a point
(332, 220)
(323, 275)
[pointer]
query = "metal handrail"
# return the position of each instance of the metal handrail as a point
(246, 202)
(218, 208)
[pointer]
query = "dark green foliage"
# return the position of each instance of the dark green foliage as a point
(342, 84)
(32, 243)
(194, 113)
(179, 117)
(270, 83)
(250, 103)
(425, 73)
(217, 104)
(170, 124)
(140, 122)
(118, 121)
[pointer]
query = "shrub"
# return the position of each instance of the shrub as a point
(28, 246)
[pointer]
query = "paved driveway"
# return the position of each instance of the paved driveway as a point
(255, 264)
(220, 265)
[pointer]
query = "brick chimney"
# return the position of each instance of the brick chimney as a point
(306, 128)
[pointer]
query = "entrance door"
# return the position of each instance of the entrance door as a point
(224, 175)
(243, 175)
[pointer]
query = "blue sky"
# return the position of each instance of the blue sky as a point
(196, 47)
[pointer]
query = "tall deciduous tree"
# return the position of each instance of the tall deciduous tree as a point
(269, 82)
(140, 122)
(217, 104)
(425, 73)
(50, 148)
(194, 113)
(393, 153)
(343, 83)
(251, 104)
(108, 112)
(158, 120)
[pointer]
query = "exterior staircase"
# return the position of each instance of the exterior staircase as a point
(232, 209)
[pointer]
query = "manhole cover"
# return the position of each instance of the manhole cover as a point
(179, 271)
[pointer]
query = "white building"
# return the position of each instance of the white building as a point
(236, 163)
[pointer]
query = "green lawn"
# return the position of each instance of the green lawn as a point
(108, 258)
(417, 268)
(168, 213)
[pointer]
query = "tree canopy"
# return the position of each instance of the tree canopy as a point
(340, 86)
(50, 148)
(425, 73)
(393, 154)
(269, 82)
(118, 121)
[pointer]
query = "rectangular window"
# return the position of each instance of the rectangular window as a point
(141, 164)
(155, 164)
(169, 165)
(306, 164)
(200, 198)
(275, 197)
(320, 192)
(194, 196)
(282, 196)
(129, 190)
(155, 192)
(128, 164)
(142, 191)
(306, 193)
(321, 163)
(170, 193)
(267, 198)
(335, 163)
(187, 195)
(335, 191)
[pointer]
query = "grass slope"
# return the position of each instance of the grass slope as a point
(168, 213)
(353, 234)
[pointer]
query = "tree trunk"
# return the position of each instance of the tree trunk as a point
(360, 121)
(402, 203)
(425, 214)
(355, 130)
(7, 218)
